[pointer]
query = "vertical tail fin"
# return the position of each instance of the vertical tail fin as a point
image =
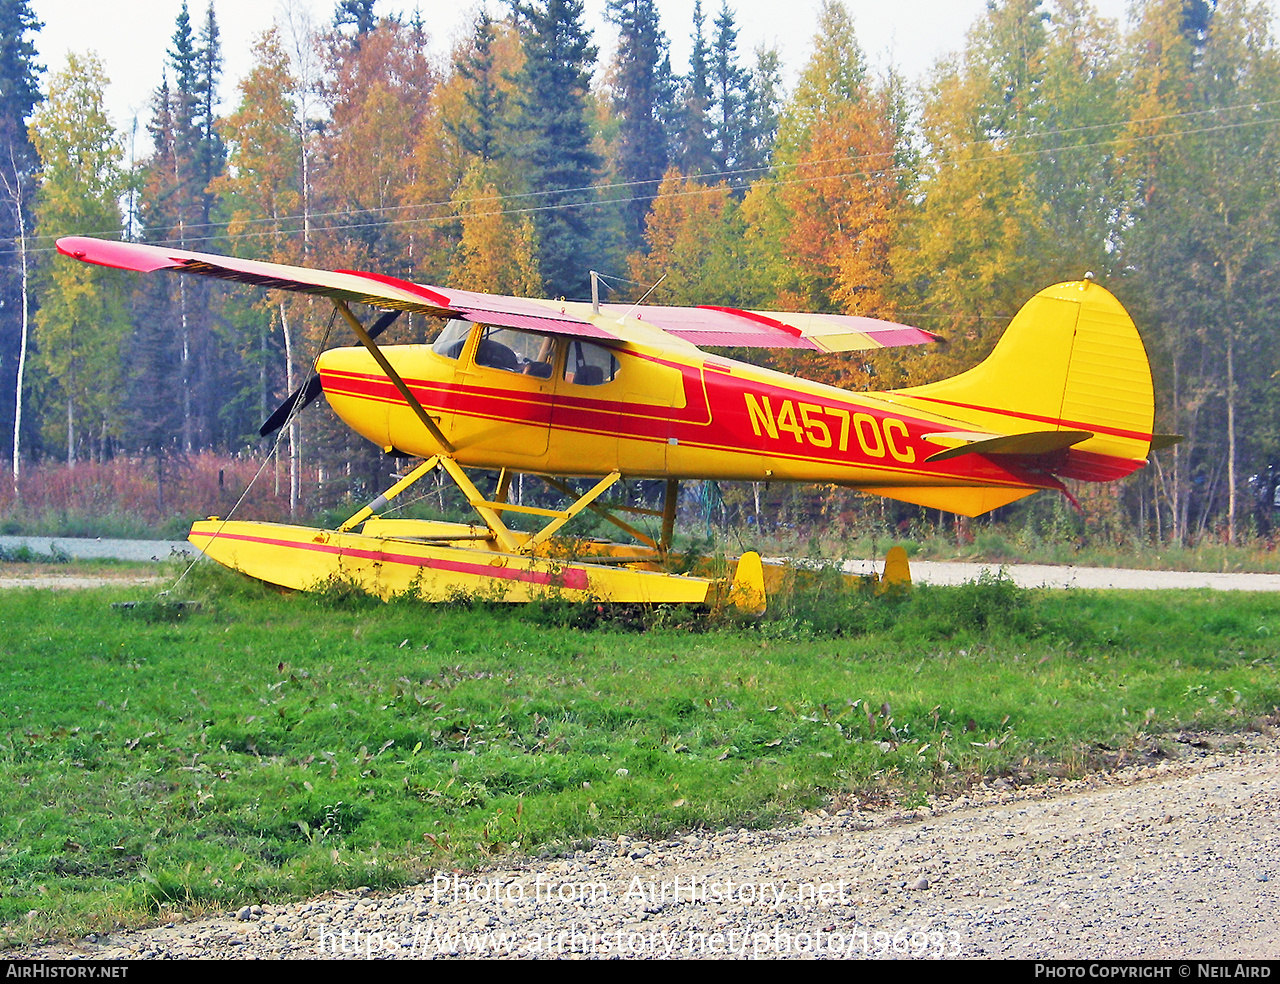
(1071, 360)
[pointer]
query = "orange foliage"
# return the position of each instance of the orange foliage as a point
(202, 485)
(841, 195)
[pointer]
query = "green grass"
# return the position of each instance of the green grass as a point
(266, 746)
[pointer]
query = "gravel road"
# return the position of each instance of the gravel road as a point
(1176, 855)
(94, 548)
(1059, 576)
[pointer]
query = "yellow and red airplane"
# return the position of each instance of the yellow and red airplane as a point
(560, 390)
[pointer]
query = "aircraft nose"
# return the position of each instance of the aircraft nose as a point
(358, 391)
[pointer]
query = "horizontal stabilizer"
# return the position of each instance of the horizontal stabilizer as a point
(1161, 441)
(1034, 442)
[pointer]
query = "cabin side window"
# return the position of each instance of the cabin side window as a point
(452, 338)
(516, 351)
(589, 365)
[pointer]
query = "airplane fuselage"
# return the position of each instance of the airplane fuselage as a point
(650, 412)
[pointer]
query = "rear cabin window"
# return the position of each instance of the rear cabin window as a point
(589, 365)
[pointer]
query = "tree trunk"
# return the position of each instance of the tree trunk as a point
(295, 450)
(186, 368)
(22, 344)
(71, 433)
(1231, 441)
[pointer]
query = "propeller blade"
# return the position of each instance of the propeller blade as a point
(298, 399)
(308, 391)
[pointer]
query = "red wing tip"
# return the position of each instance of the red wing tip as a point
(406, 285)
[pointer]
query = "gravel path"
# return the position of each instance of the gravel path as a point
(1175, 856)
(65, 582)
(1057, 576)
(93, 548)
(922, 571)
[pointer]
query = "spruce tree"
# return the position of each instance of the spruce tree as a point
(640, 87)
(727, 90)
(560, 163)
(177, 208)
(694, 151)
(210, 154)
(479, 135)
(357, 14)
(761, 114)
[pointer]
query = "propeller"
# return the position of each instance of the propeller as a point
(308, 391)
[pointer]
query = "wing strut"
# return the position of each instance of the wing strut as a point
(394, 376)
(606, 512)
(669, 514)
(384, 500)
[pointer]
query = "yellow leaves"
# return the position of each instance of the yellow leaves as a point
(695, 240)
(264, 166)
(80, 155)
(497, 252)
(81, 320)
(834, 77)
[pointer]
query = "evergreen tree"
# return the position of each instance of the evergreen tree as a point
(761, 114)
(694, 151)
(728, 85)
(557, 141)
(642, 153)
(177, 206)
(19, 94)
(356, 14)
(183, 60)
(210, 155)
(479, 132)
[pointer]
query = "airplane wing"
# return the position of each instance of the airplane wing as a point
(721, 326)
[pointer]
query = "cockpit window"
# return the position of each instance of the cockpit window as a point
(453, 338)
(589, 365)
(516, 351)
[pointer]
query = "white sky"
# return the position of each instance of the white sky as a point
(133, 36)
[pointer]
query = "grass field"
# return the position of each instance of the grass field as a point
(267, 746)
